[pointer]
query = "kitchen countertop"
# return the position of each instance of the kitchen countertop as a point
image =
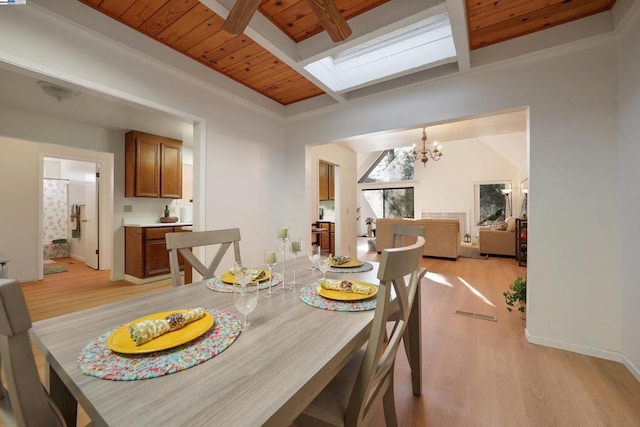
(161, 224)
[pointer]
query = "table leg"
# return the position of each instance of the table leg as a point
(413, 342)
(63, 399)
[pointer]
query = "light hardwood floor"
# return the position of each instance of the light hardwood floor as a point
(476, 372)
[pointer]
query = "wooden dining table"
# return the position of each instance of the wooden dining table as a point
(266, 377)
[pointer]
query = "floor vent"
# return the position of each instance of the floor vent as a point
(476, 315)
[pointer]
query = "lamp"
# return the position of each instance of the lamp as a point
(425, 152)
(507, 194)
(56, 91)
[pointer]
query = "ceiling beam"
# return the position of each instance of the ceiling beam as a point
(458, 19)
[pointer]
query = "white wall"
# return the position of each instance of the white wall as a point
(629, 188)
(573, 302)
(449, 183)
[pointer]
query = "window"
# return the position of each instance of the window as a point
(390, 202)
(490, 202)
(393, 165)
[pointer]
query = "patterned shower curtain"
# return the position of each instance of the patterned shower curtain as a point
(56, 211)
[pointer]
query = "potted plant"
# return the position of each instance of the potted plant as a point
(517, 294)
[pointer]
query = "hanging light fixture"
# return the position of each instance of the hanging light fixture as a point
(425, 153)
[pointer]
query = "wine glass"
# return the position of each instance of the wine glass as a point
(314, 256)
(324, 264)
(246, 300)
(296, 248)
(271, 260)
(283, 236)
(243, 274)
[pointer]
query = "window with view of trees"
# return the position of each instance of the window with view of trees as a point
(390, 202)
(490, 203)
(393, 165)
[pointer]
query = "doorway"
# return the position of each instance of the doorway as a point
(71, 220)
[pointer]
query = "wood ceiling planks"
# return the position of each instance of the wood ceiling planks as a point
(191, 28)
(494, 21)
(296, 18)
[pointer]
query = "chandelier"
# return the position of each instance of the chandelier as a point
(424, 154)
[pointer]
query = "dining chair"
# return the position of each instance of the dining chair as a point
(25, 401)
(347, 399)
(181, 243)
(405, 234)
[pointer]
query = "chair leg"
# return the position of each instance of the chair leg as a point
(389, 403)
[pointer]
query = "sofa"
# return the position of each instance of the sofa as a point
(499, 239)
(442, 236)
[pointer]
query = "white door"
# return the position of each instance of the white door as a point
(89, 223)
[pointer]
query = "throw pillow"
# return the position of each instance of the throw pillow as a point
(511, 223)
(499, 225)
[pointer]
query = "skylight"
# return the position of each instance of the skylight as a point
(425, 44)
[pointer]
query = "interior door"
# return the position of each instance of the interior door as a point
(90, 223)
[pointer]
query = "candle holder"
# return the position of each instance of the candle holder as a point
(296, 248)
(271, 260)
(283, 236)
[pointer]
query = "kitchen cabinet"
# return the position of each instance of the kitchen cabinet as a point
(153, 166)
(326, 181)
(326, 237)
(146, 252)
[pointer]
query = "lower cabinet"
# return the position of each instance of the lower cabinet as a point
(146, 252)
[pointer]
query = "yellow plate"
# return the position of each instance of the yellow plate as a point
(229, 278)
(121, 342)
(347, 296)
(352, 263)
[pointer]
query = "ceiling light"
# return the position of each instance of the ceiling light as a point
(56, 91)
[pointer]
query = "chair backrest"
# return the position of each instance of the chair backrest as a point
(405, 234)
(183, 242)
(394, 301)
(24, 402)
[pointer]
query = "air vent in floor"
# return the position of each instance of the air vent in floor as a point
(476, 315)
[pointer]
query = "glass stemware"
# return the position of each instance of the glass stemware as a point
(243, 275)
(270, 259)
(324, 264)
(314, 256)
(296, 248)
(246, 300)
(283, 236)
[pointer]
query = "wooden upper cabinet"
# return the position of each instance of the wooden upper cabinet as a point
(171, 170)
(153, 166)
(325, 180)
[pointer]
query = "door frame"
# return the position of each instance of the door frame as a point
(105, 164)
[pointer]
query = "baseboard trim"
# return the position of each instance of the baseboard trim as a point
(634, 369)
(575, 348)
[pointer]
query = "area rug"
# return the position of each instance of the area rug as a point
(53, 268)
(473, 253)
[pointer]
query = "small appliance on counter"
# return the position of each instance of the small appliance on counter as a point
(320, 213)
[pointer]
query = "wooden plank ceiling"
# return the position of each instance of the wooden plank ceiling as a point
(494, 21)
(194, 30)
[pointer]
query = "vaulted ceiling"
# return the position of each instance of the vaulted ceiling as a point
(285, 35)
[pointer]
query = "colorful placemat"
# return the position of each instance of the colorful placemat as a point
(309, 296)
(96, 358)
(366, 266)
(215, 284)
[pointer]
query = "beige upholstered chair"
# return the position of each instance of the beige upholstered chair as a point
(25, 402)
(347, 399)
(183, 242)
